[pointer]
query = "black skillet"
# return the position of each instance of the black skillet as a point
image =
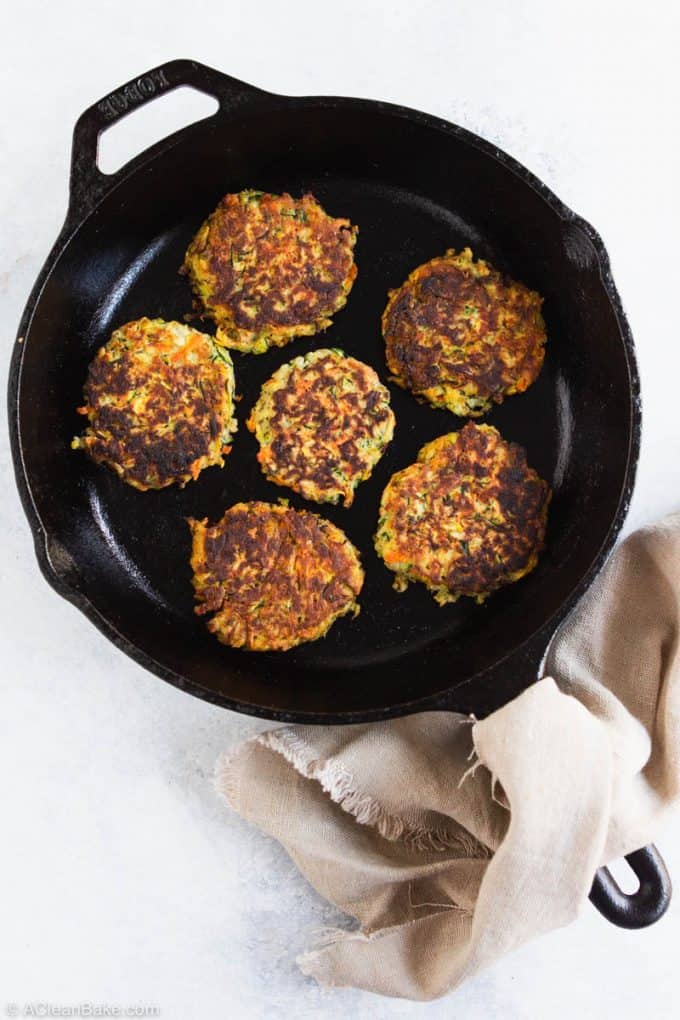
(415, 185)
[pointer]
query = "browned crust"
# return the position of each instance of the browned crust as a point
(462, 335)
(323, 422)
(468, 517)
(273, 577)
(157, 414)
(268, 267)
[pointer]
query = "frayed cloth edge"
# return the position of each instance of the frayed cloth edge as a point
(340, 785)
(224, 779)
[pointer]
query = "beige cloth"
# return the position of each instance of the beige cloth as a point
(454, 841)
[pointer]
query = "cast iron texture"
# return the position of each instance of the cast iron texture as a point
(416, 185)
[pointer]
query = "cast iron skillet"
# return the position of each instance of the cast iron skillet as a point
(416, 185)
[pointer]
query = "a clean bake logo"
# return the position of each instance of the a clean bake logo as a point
(137, 91)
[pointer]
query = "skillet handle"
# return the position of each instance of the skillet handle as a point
(88, 183)
(641, 908)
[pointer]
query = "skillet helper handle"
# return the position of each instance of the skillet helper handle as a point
(489, 693)
(643, 907)
(88, 183)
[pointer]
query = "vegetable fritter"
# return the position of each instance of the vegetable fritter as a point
(273, 577)
(159, 399)
(322, 421)
(468, 517)
(462, 336)
(268, 268)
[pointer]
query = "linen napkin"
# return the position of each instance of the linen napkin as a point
(453, 841)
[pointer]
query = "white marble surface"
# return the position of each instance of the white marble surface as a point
(122, 879)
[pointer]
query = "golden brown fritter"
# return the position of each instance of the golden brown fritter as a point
(468, 517)
(268, 268)
(273, 577)
(323, 422)
(462, 336)
(159, 399)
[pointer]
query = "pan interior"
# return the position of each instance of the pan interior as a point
(414, 190)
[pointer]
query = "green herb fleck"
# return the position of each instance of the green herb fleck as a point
(220, 354)
(295, 214)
